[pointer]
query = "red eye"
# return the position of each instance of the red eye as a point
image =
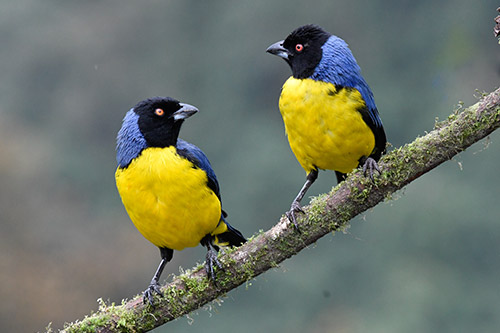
(299, 47)
(159, 112)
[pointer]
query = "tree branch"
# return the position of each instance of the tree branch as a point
(326, 213)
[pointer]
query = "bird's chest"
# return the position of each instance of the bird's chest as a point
(168, 199)
(323, 124)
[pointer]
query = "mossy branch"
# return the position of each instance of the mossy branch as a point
(326, 213)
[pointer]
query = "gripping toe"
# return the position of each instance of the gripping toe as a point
(370, 166)
(148, 297)
(211, 262)
(291, 214)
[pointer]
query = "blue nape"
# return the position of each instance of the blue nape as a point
(130, 141)
(338, 66)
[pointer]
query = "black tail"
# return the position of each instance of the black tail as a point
(231, 237)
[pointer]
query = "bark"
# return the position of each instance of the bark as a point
(326, 213)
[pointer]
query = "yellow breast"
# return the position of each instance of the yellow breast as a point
(323, 125)
(167, 199)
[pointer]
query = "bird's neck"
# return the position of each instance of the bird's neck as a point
(161, 138)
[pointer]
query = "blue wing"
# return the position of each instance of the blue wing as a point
(198, 158)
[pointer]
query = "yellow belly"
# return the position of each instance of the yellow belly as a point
(167, 199)
(323, 125)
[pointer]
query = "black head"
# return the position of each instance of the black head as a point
(301, 49)
(160, 120)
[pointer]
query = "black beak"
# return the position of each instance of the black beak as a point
(278, 50)
(184, 112)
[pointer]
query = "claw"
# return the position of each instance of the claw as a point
(212, 259)
(371, 166)
(294, 209)
(148, 294)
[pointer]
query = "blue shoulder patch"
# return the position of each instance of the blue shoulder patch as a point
(130, 142)
(198, 158)
(338, 66)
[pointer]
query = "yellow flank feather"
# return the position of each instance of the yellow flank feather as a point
(324, 127)
(168, 200)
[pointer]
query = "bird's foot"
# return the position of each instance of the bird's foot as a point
(370, 166)
(147, 296)
(211, 261)
(291, 214)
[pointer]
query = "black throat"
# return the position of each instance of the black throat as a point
(160, 136)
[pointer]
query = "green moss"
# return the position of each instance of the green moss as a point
(317, 209)
(363, 194)
(251, 238)
(48, 329)
(174, 309)
(402, 162)
(90, 323)
(246, 270)
(345, 214)
(116, 318)
(194, 285)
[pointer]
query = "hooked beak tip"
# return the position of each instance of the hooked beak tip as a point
(184, 112)
(277, 49)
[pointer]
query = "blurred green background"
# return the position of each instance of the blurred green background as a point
(425, 262)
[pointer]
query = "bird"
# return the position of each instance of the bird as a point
(329, 112)
(168, 186)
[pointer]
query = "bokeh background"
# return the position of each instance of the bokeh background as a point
(427, 261)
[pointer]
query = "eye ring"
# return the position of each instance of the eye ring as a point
(159, 112)
(299, 47)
